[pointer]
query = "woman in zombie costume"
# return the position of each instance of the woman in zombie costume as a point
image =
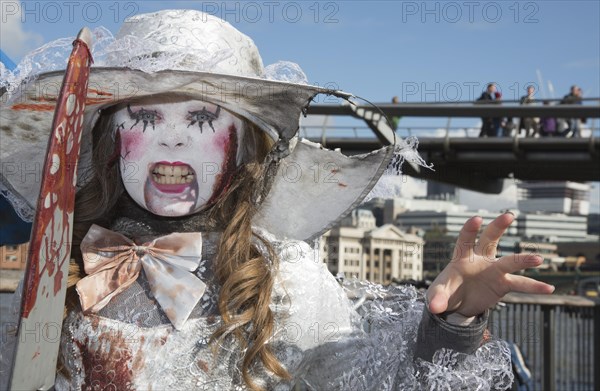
(191, 268)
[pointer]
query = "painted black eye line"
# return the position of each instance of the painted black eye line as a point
(202, 116)
(120, 126)
(146, 116)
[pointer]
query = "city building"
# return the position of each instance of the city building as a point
(571, 198)
(535, 226)
(593, 224)
(530, 233)
(449, 221)
(377, 207)
(395, 206)
(440, 191)
(359, 249)
(555, 227)
(14, 257)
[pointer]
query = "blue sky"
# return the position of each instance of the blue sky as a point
(434, 51)
(378, 49)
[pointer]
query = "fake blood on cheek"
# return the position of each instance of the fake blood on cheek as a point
(228, 142)
(223, 141)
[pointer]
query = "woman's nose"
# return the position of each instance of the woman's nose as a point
(174, 137)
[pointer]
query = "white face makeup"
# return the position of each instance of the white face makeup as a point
(176, 158)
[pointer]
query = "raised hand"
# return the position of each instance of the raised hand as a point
(475, 279)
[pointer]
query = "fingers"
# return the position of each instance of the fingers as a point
(438, 294)
(438, 299)
(467, 237)
(515, 262)
(491, 235)
(528, 285)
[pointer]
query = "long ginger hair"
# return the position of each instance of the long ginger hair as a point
(243, 272)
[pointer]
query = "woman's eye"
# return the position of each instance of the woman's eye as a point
(202, 116)
(146, 116)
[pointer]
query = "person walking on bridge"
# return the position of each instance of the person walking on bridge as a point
(574, 97)
(528, 125)
(487, 125)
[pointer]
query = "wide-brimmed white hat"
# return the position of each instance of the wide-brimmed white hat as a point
(190, 53)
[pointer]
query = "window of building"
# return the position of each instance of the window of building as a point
(12, 248)
(11, 258)
(376, 263)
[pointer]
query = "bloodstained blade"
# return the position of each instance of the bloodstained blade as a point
(44, 290)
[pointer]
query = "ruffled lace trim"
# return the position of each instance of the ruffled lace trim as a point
(390, 183)
(21, 207)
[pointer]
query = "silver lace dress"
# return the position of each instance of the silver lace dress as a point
(354, 336)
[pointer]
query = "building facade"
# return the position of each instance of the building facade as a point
(556, 227)
(571, 198)
(359, 249)
(535, 233)
(539, 227)
(14, 257)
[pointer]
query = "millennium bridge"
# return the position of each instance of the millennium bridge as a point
(458, 155)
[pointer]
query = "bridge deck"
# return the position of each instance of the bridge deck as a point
(482, 163)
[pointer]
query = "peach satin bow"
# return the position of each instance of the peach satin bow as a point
(113, 262)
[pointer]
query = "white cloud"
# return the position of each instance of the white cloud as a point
(490, 202)
(15, 41)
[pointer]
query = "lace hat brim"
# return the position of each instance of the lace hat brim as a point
(312, 189)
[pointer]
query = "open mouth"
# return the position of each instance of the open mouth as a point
(172, 177)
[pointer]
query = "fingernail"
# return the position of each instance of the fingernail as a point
(509, 212)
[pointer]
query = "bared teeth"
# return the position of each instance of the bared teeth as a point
(166, 174)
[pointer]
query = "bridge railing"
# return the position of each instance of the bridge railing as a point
(558, 335)
(315, 132)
